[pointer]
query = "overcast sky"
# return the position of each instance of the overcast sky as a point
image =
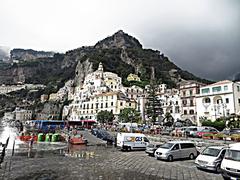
(201, 36)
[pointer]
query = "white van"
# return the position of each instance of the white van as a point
(132, 141)
(231, 162)
(176, 150)
(211, 158)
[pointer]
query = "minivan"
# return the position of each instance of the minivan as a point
(231, 162)
(176, 150)
(211, 158)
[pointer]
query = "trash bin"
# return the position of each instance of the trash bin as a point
(48, 137)
(55, 137)
(40, 137)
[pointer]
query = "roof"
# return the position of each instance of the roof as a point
(132, 134)
(219, 83)
(217, 147)
(235, 146)
(179, 141)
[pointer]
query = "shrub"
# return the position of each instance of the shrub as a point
(219, 124)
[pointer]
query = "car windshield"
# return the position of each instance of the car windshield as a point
(211, 152)
(167, 145)
(232, 155)
(150, 146)
(206, 130)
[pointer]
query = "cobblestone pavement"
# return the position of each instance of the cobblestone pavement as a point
(99, 162)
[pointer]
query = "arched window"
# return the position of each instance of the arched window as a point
(191, 111)
(207, 100)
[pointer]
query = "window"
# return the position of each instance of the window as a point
(121, 103)
(227, 100)
(111, 103)
(216, 89)
(130, 104)
(106, 105)
(101, 105)
(207, 100)
(184, 93)
(225, 88)
(176, 102)
(238, 88)
(185, 111)
(191, 111)
(205, 91)
(239, 101)
(190, 92)
(96, 105)
(191, 103)
(176, 147)
(187, 145)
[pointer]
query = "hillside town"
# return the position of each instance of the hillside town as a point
(103, 91)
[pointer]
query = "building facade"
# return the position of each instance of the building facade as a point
(217, 100)
(188, 92)
(100, 91)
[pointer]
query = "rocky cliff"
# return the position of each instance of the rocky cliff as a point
(28, 54)
(119, 53)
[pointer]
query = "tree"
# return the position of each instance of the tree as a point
(153, 105)
(129, 115)
(105, 117)
(168, 120)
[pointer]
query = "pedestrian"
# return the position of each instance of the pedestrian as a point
(31, 141)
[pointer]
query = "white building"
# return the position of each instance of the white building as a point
(188, 92)
(100, 91)
(171, 102)
(22, 114)
(218, 100)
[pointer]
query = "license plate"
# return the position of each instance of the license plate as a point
(233, 178)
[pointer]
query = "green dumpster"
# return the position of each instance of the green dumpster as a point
(48, 137)
(55, 137)
(40, 137)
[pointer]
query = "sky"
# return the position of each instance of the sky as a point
(200, 36)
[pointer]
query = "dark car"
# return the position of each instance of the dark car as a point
(151, 148)
(231, 131)
(234, 131)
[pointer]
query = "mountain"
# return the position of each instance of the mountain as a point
(118, 40)
(29, 54)
(119, 53)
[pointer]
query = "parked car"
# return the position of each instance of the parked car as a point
(166, 131)
(176, 150)
(151, 148)
(207, 131)
(211, 158)
(234, 131)
(231, 131)
(231, 162)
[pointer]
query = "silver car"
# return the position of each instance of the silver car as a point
(176, 150)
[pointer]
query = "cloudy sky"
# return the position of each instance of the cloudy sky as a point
(201, 36)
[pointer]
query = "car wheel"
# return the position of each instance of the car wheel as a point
(218, 168)
(170, 158)
(191, 156)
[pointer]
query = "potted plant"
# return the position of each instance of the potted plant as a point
(218, 136)
(207, 136)
(235, 137)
